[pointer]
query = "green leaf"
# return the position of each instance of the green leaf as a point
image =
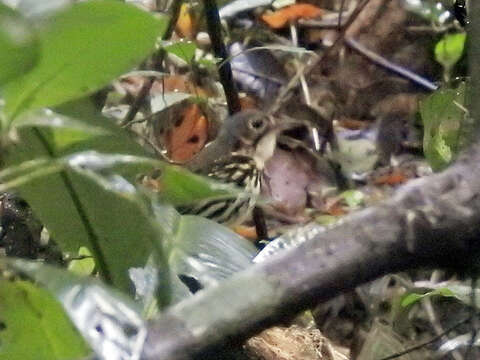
(68, 131)
(413, 298)
(353, 198)
(82, 49)
(35, 326)
(104, 213)
(107, 319)
(185, 50)
(443, 119)
(207, 251)
(200, 254)
(83, 266)
(450, 49)
(87, 199)
(201, 250)
(20, 47)
(181, 187)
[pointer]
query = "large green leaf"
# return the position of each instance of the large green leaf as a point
(202, 249)
(104, 213)
(181, 187)
(89, 200)
(200, 254)
(34, 326)
(107, 319)
(83, 48)
(19, 45)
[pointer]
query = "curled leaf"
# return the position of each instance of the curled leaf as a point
(282, 17)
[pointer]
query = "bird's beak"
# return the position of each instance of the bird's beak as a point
(266, 146)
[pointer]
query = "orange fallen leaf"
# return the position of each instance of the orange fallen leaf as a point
(186, 26)
(248, 232)
(282, 17)
(179, 83)
(188, 134)
(394, 178)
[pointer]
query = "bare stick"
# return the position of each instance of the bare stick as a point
(225, 72)
(147, 85)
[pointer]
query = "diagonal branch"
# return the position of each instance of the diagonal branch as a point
(430, 222)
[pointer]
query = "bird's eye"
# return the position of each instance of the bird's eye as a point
(256, 124)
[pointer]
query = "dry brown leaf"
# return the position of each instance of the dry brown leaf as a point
(188, 134)
(394, 178)
(283, 17)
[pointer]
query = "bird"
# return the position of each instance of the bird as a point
(246, 140)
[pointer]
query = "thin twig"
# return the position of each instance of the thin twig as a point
(225, 72)
(431, 341)
(342, 8)
(147, 85)
(432, 316)
(381, 61)
(318, 61)
(305, 90)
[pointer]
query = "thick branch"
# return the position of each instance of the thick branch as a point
(430, 222)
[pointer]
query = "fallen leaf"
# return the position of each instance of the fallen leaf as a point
(282, 17)
(352, 124)
(180, 84)
(248, 232)
(188, 134)
(186, 26)
(394, 178)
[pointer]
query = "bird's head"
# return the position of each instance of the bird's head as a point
(245, 129)
(250, 133)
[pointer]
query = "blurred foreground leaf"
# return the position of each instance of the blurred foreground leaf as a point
(89, 199)
(107, 319)
(34, 326)
(82, 49)
(19, 45)
(200, 254)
